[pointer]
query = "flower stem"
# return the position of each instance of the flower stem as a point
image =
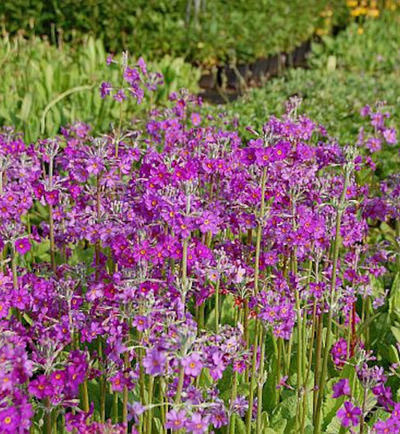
(336, 245)
(260, 384)
(252, 382)
(232, 422)
(217, 306)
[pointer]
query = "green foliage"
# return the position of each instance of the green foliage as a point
(205, 31)
(333, 92)
(44, 87)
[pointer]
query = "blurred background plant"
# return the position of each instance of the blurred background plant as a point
(344, 74)
(64, 81)
(201, 31)
(52, 55)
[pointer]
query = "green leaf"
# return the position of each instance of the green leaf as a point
(279, 426)
(159, 426)
(240, 425)
(25, 107)
(396, 332)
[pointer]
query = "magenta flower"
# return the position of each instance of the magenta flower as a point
(142, 65)
(119, 96)
(208, 223)
(109, 59)
(141, 322)
(339, 353)
(118, 382)
(4, 309)
(22, 246)
(51, 197)
(389, 135)
(154, 362)
(196, 119)
(105, 89)
(192, 365)
(94, 166)
(350, 414)
(131, 75)
(341, 388)
(198, 424)
(175, 419)
(41, 387)
(9, 420)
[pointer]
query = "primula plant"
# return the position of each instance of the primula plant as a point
(168, 277)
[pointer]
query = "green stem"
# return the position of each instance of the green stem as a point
(47, 416)
(363, 410)
(232, 422)
(115, 407)
(310, 354)
(125, 393)
(217, 306)
(260, 384)
(150, 411)
(85, 397)
(317, 364)
(180, 385)
(252, 383)
(102, 385)
(336, 245)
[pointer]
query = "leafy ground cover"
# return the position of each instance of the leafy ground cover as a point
(44, 87)
(345, 73)
(204, 32)
(170, 276)
(166, 267)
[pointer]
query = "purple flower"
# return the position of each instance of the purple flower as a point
(109, 59)
(196, 119)
(350, 415)
(390, 136)
(373, 144)
(41, 387)
(119, 96)
(52, 197)
(365, 111)
(192, 365)
(339, 353)
(154, 362)
(142, 65)
(342, 387)
(22, 246)
(240, 406)
(94, 166)
(135, 410)
(141, 323)
(197, 424)
(208, 223)
(118, 382)
(105, 89)
(175, 419)
(131, 75)
(9, 420)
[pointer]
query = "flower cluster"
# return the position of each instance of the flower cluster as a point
(147, 276)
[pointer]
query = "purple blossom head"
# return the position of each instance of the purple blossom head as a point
(176, 419)
(192, 365)
(105, 89)
(22, 246)
(119, 95)
(9, 420)
(349, 414)
(198, 424)
(154, 362)
(341, 388)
